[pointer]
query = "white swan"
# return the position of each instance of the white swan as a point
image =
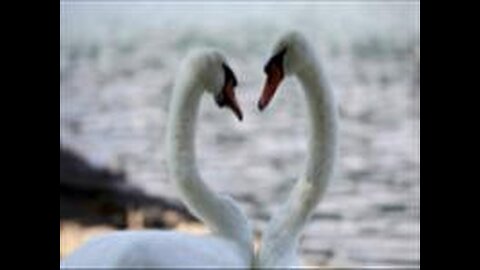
(292, 55)
(230, 244)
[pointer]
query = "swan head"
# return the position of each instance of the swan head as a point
(291, 54)
(214, 75)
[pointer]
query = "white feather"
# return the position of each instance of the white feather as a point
(230, 244)
(279, 243)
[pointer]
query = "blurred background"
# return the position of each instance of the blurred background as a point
(118, 61)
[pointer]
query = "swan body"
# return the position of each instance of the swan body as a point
(157, 249)
(293, 55)
(230, 243)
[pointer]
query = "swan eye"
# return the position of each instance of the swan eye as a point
(227, 95)
(229, 75)
(220, 100)
(277, 59)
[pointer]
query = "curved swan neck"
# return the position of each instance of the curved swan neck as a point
(280, 239)
(322, 145)
(181, 131)
(219, 213)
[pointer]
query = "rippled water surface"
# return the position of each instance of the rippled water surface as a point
(117, 65)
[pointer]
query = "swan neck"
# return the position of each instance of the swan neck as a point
(181, 127)
(322, 146)
(220, 214)
(322, 141)
(280, 240)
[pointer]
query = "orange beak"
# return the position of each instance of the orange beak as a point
(274, 78)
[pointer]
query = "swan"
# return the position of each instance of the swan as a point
(230, 243)
(293, 55)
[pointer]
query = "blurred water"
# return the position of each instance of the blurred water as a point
(117, 65)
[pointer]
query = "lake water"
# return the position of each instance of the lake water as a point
(118, 61)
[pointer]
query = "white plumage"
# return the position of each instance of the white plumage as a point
(231, 241)
(293, 55)
(230, 244)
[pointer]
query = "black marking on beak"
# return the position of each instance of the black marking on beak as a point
(227, 96)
